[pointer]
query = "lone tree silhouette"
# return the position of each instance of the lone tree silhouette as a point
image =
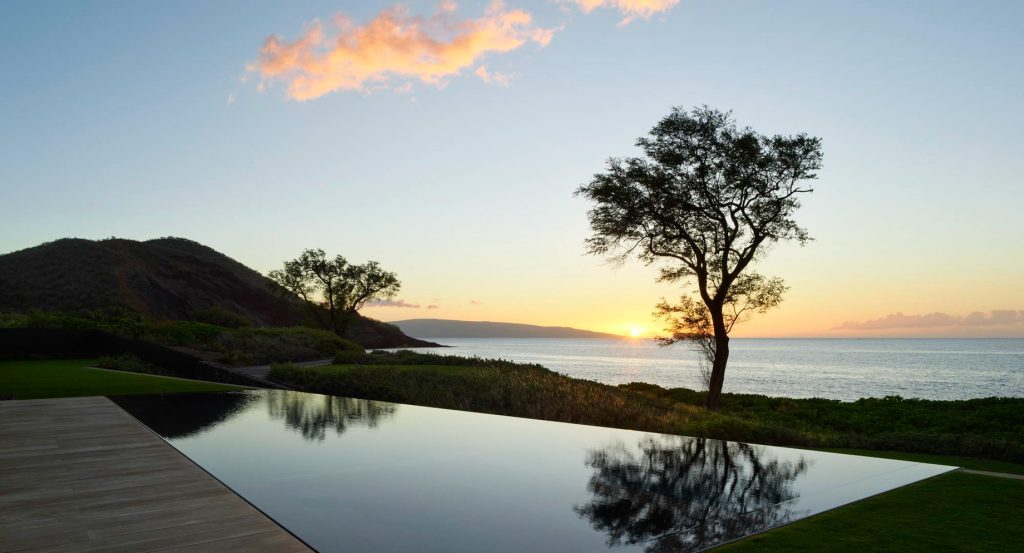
(705, 201)
(334, 289)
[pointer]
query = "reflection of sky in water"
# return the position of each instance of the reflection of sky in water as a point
(837, 369)
(352, 475)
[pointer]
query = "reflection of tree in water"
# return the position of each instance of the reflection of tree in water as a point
(313, 414)
(685, 494)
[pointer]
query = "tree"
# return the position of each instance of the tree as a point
(704, 202)
(334, 289)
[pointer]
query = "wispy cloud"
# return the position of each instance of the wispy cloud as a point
(999, 317)
(433, 306)
(488, 77)
(392, 50)
(393, 303)
(630, 9)
(231, 98)
(475, 302)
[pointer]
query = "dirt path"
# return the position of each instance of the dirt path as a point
(262, 372)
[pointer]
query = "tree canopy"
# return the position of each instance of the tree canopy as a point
(334, 289)
(705, 201)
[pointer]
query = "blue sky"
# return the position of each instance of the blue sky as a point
(117, 122)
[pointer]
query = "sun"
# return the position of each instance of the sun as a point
(636, 331)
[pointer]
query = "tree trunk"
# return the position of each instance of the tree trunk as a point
(718, 365)
(334, 321)
(342, 322)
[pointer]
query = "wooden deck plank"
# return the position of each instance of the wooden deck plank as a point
(80, 474)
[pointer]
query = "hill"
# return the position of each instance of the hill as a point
(162, 279)
(446, 328)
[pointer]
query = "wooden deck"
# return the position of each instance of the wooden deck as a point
(80, 474)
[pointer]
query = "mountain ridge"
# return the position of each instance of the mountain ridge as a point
(453, 328)
(163, 278)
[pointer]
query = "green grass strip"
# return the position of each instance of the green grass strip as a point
(953, 512)
(952, 460)
(50, 378)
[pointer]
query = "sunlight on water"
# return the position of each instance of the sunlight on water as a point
(837, 369)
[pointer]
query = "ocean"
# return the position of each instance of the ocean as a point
(845, 369)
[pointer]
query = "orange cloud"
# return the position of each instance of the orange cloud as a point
(394, 46)
(630, 9)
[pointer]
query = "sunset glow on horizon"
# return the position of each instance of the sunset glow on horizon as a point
(445, 140)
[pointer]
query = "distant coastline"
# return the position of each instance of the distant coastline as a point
(449, 328)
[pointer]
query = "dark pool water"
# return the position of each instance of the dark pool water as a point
(348, 474)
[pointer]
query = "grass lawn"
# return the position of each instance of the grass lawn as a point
(953, 512)
(952, 460)
(73, 377)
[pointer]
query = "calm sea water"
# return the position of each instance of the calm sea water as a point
(836, 369)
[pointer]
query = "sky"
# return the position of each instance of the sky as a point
(445, 141)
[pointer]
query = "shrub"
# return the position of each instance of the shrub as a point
(235, 343)
(266, 345)
(117, 321)
(409, 357)
(221, 317)
(129, 363)
(235, 358)
(523, 391)
(184, 333)
(989, 427)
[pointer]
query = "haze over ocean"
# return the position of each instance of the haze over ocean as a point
(846, 369)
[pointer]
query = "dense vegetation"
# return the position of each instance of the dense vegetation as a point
(238, 345)
(989, 428)
(131, 363)
(73, 377)
(984, 428)
(247, 346)
(486, 386)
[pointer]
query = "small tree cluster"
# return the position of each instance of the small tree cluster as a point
(334, 290)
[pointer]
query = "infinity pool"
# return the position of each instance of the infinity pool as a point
(347, 474)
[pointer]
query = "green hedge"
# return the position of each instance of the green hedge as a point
(990, 428)
(521, 391)
(240, 345)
